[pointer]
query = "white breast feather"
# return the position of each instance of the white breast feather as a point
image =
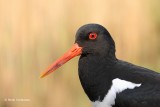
(118, 86)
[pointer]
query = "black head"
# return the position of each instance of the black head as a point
(95, 40)
(91, 39)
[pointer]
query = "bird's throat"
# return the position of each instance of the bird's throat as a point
(92, 75)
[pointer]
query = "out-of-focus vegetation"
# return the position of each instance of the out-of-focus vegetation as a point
(33, 33)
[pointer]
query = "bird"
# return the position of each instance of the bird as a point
(107, 80)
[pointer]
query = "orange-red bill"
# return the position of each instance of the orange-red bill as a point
(74, 51)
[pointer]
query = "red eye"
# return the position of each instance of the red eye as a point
(92, 36)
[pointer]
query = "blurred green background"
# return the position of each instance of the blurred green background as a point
(34, 33)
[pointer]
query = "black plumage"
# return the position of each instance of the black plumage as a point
(108, 81)
(98, 66)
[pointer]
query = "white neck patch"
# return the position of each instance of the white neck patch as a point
(118, 86)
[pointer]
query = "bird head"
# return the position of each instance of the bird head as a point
(91, 39)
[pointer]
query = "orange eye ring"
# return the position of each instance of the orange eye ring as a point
(92, 36)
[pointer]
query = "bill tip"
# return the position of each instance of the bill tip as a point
(42, 75)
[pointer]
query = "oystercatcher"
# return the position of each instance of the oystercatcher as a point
(108, 81)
